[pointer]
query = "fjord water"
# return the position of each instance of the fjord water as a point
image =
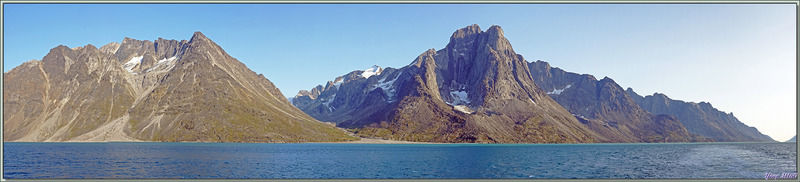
(318, 160)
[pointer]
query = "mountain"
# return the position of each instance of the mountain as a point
(475, 90)
(606, 108)
(701, 118)
(794, 139)
(166, 90)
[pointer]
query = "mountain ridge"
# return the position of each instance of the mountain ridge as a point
(166, 90)
(475, 89)
(606, 108)
(701, 118)
(475, 75)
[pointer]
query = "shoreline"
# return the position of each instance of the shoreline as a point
(381, 141)
(366, 141)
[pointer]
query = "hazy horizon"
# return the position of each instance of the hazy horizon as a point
(739, 57)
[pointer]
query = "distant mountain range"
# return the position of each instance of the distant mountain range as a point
(701, 118)
(166, 90)
(477, 89)
(606, 108)
(605, 100)
(474, 90)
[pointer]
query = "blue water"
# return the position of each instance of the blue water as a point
(236, 160)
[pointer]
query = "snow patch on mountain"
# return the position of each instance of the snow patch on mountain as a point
(459, 98)
(386, 86)
(328, 102)
(132, 63)
(167, 60)
(338, 82)
(372, 71)
(163, 62)
(558, 91)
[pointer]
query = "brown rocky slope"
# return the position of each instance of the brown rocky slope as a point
(166, 90)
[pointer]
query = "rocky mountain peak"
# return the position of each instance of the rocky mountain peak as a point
(427, 55)
(607, 80)
(58, 51)
(110, 48)
(201, 44)
(466, 32)
(133, 42)
(198, 36)
(475, 89)
(495, 31)
(127, 39)
(90, 46)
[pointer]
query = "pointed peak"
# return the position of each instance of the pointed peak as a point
(110, 48)
(495, 30)
(200, 38)
(302, 93)
(424, 56)
(58, 51)
(197, 35)
(128, 40)
(90, 46)
(606, 78)
(466, 31)
(60, 48)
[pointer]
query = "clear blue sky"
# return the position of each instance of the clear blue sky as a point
(739, 57)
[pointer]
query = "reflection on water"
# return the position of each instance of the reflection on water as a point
(235, 160)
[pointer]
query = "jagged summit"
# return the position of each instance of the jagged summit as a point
(475, 89)
(199, 37)
(466, 31)
(110, 48)
(166, 90)
(495, 30)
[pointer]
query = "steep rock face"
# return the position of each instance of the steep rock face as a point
(700, 118)
(165, 90)
(606, 108)
(68, 93)
(476, 89)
